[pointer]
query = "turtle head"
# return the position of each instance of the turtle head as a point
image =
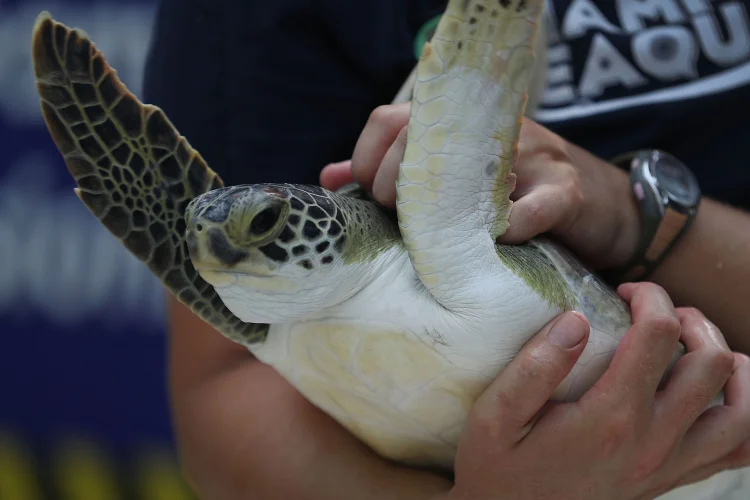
(279, 252)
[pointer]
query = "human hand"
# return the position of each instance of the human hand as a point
(560, 188)
(624, 439)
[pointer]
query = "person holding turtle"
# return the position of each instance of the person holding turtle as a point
(627, 113)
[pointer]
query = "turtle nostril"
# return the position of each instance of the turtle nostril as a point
(265, 220)
(199, 227)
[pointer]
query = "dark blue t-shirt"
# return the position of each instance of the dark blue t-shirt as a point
(272, 91)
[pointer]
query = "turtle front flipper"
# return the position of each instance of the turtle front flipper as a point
(134, 171)
(455, 181)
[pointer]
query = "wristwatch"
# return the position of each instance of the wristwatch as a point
(668, 195)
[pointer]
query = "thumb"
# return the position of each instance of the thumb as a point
(336, 175)
(528, 382)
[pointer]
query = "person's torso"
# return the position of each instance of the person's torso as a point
(621, 75)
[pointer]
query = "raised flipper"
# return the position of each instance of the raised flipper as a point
(134, 171)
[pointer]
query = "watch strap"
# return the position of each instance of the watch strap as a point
(662, 223)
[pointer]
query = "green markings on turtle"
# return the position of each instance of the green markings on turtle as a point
(134, 171)
(539, 272)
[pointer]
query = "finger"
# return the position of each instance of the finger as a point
(384, 185)
(646, 349)
(376, 138)
(696, 380)
(710, 330)
(336, 175)
(737, 458)
(719, 430)
(528, 382)
(544, 208)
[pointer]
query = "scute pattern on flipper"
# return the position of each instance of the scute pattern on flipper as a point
(134, 171)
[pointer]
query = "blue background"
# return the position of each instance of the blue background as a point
(83, 401)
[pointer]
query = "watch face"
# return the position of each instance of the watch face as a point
(675, 180)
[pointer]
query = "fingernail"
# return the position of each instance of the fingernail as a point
(568, 331)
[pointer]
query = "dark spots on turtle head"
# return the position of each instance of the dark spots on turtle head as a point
(91, 147)
(294, 220)
(316, 213)
(339, 245)
(479, 8)
(460, 44)
(137, 165)
(121, 154)
(521, 5)
(327, 206)
(296, 203)
(139, 218)
(307, 264)
(305, 197)
(275, 252)
(286, 235)
(335, 229)
(472, 20)
(327, 259)
(222, 250)
(217, 211)
(340, 218)
(310, 230)
(299, 250)
(322, 246)
(128, 113)
(159, 132)
(170, 168)
(504, 3)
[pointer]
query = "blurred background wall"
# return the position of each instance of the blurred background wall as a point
(83, 403)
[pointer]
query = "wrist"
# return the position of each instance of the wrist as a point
(609, 219)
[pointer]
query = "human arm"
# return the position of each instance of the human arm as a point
(586, 202)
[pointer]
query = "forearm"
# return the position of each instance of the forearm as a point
(709, 268)
(244, 432)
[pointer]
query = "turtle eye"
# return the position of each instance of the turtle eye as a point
(265, 220)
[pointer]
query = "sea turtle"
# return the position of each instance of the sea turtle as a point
(392, 324)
